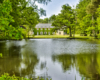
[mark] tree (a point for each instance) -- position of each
(52, 18)
(91, 9)
(46, 20)
(29, 17)
(15, 13)
(82, 17)
(19, 5)
(5, 18)
(66, 18)
(98, 20)
(40, 20)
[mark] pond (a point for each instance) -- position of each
(57, 59)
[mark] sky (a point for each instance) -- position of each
(54, 7)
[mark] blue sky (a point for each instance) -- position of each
(54, 7)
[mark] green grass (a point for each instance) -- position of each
(51, 36)
(77, 36)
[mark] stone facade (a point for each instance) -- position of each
(43, 29)
(46, 29)
(59, 32)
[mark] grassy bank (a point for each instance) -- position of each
(51, 36)
(77, 36)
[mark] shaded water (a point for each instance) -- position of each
(59, 59)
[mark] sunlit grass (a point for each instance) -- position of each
(77, 36)
(60, 36)
(51, 36)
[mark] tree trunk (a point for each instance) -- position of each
(93, 31)
(70, 32)
(28, 34)
(74, 32)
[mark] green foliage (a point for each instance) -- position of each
(66, 19)
(98, 36)
(5, 17)
(1, 55)
(52, 18)
(14, 13)
(7, 30)
(87, 19)
(41, 21)
(91, 9)
(45, 20)
(83, 20)
(29, 17)
(7, 77)
(98, 18)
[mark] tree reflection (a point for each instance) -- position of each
(87, 64)
(30, 60)
(65, 59)
(18, 61)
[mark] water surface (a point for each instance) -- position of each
(59, 59)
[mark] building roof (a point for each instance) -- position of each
(41, 25)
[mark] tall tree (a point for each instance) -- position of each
(98, 18)
(81, 16)
(91, 9)
(46, 20)
(66, 18)
(15, 13)
(5, 17)
(52, 18)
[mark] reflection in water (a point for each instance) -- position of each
(86, 64)
(65, 59)
(59, 59)
(17, 60)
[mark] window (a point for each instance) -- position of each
(59, 32)
(53, 32)
(48, 33)
(41, 33)
(41, 28)
(33, 32)
(37, 33)
(45, 33)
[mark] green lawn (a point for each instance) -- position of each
(77, 36)
(51, 36)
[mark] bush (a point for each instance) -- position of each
(98, 36)
(7, 77)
